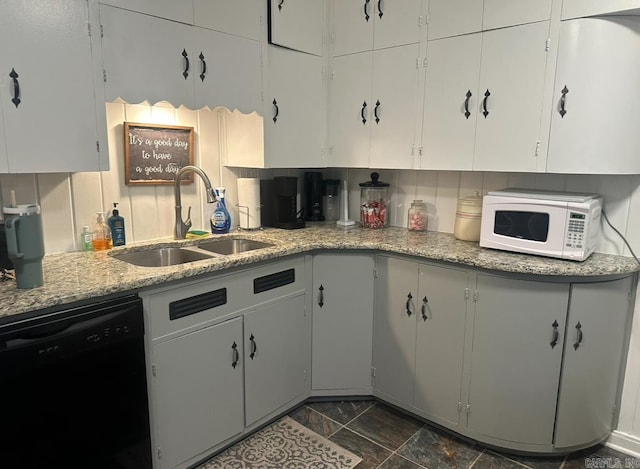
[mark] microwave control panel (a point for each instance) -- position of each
(575, 230)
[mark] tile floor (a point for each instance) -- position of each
(388, 439)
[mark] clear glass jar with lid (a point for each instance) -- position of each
(374, 203)
(417, 217)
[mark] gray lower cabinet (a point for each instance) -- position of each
(514, 362)
(342, 323)
(592, 367)
(275, 362)
(516, 359)
(198, 391)
(419, 337)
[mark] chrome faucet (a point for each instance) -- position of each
(182, 227)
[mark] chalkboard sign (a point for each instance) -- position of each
(153, 154)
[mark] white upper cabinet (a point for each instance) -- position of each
(508, 123)
(578, 8)
(372, 108)
(238, 17)
(47, 88)
(177, 10)
(297, 24)
(294, 110)
(476, 114)
(594, 125)
(455, 17)
(451, 102)
(364, 25)
(182, 64)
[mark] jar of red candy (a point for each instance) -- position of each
(417, 220)
(374, 203)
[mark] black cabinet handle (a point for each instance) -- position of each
(466, 104)
(362, 111)
(425, 301)
(280, 4)
(409, 306)
(204, 66)
(579, 331)
(366, 10)
(380, 9)
(16, 87)
(375, 111)
(554, 337)
(277, 110)
(563, 101)
(321, 296)
(485, 112)
(236, 355)
(254, 347)
(185, 74)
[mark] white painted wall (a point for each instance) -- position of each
(70, 201)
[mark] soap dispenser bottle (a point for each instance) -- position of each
(116, 224)
(221, 219)
(101, 234)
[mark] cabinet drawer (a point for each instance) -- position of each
(194, 304)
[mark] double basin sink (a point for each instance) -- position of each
(168, 256)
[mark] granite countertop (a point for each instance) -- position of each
(75, 276)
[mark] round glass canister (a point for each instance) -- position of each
(468, 216)
(374, 203)
(417, 216)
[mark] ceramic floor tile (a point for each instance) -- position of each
(495, 461)
(385, 426)
(314, 421)
(342, 411)
(434, 449)
(599, 456)
(372, 454)
(398, 462)
(534, 462)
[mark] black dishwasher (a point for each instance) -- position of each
(73, 390)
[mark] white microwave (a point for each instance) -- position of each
(565, 225)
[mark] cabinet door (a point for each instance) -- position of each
(342, 322)
(229, 72)
(596, 115)
(397, 23)
(598, 317)
(154, 49)
(454, 17)
(451, 102)
(197, 391)
(442, 317)
(395, 107)
(350, 111)
(4, 156)
(50, 123)
(515, 370)
(239, 17)
(352, 26)
(177, 10)
(507, 136)
(276, 352)
(503, 13)
(297, 25)
(394, 335)
(295, 122)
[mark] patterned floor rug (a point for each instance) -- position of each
(284, 444)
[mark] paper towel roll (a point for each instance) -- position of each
(249, 203)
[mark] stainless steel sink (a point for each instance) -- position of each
(163, 257)
(233, 246)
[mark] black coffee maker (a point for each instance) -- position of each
(313, 196)
(278, 199)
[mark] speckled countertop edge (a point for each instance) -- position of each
(75, 276)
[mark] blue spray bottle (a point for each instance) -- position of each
(221, 219)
